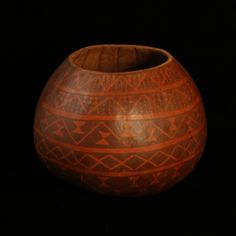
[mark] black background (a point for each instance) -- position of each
(39, 35)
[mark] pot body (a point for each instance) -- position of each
(127, 134)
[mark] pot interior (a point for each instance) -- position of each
(118, 58)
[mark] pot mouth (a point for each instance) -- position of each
(119, 58)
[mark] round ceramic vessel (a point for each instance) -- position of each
(123, 120)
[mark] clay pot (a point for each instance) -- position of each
(120, 119)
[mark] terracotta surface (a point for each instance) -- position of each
(120, 119)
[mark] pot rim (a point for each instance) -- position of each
(75, 53)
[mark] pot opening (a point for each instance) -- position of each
(118, 58)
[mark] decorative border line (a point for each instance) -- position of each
(121, 117)
(123, 150)
(107, 93)
(126, 173)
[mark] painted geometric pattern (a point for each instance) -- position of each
(118, 162)
(166, 100)
(68, 77)
(129, 184)
(110, 133)
(122, 133)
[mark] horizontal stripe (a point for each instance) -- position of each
(126, 173)
(70, 115)
(120, 93)
(142, 149)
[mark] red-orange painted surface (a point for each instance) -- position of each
(120, 119)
